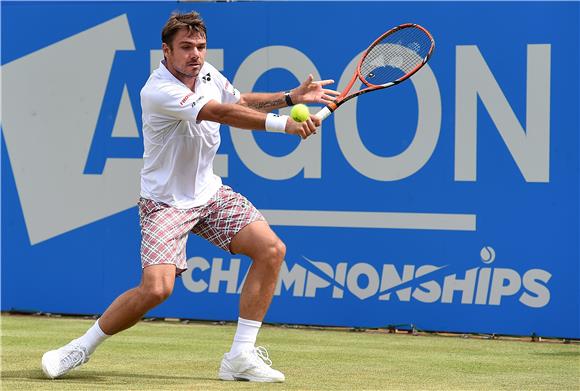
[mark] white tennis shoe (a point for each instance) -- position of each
(59, 362)
(250, 365)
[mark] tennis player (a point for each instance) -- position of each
(183, 103)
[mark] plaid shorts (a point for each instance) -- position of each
(164, 229)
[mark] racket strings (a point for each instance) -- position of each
(395, 56)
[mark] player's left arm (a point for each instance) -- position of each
(309, 91)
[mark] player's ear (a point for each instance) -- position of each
(166, 49)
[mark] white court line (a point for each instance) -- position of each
(342, 219)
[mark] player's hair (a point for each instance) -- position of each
(191, 21)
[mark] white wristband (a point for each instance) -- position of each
(276, 123)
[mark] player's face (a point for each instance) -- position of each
(186, 55)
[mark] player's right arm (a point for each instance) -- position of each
(180, 103)
(246, 118)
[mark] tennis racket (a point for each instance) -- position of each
(390, 59)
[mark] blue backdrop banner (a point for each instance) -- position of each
(450, 202)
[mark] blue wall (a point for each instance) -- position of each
(450, 201)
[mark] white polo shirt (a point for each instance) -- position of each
(179, 150)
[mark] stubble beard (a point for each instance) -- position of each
(185, 74)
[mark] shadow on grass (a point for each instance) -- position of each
(98, 377)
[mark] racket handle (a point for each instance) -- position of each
(323, 113)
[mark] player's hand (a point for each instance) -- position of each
(311, 91)
(303, 129)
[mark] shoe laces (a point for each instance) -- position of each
(262, 353)
(75, 356)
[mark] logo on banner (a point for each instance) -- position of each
(94, 154)
(426, 283)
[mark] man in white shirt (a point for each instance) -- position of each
(183, 104)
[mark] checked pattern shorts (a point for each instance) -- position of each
(164, 229)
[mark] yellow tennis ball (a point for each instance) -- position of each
(300, 113)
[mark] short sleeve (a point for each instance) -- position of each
(229, 93)
(176, 101)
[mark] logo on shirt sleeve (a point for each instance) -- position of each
(197, 101)
(185, 98)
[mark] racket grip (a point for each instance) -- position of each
(323, 113)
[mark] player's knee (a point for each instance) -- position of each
(281, 250)
(276, 253)
(158, 294)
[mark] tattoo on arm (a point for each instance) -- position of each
(267, 105)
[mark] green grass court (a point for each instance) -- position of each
(175, 356)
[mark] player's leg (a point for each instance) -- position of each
(156, 285)
(267, 251)
(164, 233)
(231, 222)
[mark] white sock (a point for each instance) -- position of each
(92, 338)
(245, 337)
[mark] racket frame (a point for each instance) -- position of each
(343, 97)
